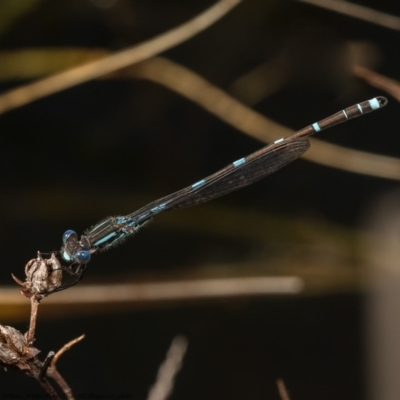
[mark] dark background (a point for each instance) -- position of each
(108, 146)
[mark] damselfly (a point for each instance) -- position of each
(76, 252)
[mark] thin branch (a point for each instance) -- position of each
(75, 76)
(65, 348)
(282, 390)
(357, 11)
(164, 384)
(30, 336)
(56, 376)
(52, 372)
(185, 82)
(49, 389)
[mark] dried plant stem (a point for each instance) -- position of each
(65, 348)
(30, 337)
(75, 76)
(55, 375)
(50, 390)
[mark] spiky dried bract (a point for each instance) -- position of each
(43, 277)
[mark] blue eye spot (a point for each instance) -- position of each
(69, 234)
(82, 256)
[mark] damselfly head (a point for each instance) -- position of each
(72, 250)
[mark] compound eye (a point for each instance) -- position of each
(68, 235)
(82, 256)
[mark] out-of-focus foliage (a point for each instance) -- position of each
(13, 10)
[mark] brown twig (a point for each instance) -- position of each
(63, 349)
(49, 389)
(56, 376)
(30, 335)
(52, 370)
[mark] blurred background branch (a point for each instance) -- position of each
(78, 75)
(192, 86)
(358, 11)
